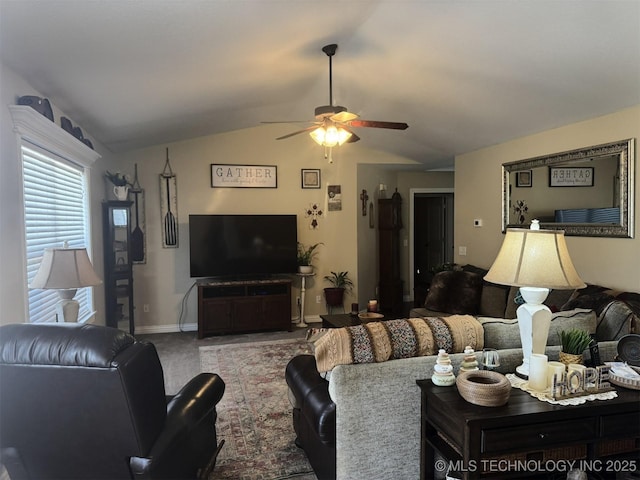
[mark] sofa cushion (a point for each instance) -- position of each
(505, 333)
(455, 292)
(394, 339)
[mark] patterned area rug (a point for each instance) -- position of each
(254, 415)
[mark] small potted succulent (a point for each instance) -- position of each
(306, 255)
(340, 282)
(574, 342)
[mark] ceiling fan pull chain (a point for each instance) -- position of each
(327, 154)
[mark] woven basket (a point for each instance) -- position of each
(568, 358)
(484, 387)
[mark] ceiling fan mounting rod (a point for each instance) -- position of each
(330, 50)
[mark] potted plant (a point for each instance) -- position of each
(306, 255)
(335, 294)
(574, 342)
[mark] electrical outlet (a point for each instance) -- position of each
(145, 308)
(318, 298)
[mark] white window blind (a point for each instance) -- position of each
(55, 211)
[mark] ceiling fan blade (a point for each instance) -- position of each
(353, 138)
(378, 124)
(291, 121)
(308, 129)
(344, 117)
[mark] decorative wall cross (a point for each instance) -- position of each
(364, 197)
(315, 213)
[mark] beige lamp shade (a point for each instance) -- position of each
(534, 258)
(65, 268)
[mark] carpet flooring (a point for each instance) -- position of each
(254, 415)
(244, 411)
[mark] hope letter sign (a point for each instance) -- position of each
(248, 176)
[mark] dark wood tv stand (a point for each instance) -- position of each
(247, 305)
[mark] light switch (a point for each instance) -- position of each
(462, 251)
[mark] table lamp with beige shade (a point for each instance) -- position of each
(537, 261)
(65, 270)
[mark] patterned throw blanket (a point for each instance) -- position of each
(392, 339)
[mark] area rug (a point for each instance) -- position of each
(254, 415)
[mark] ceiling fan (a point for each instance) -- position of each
(333, 123)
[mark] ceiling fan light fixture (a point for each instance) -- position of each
(330, 136)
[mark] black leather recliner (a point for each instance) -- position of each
(86, 401)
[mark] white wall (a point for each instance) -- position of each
(613, 262)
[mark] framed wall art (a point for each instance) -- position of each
(225, 175)
(524, 178)
(310, 178)
(334, 192)
(571, 176)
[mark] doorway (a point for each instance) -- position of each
(431, 236)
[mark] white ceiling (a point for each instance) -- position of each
(462, 74)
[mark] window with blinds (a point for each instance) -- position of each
(55, 211)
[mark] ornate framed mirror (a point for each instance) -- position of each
(585, 192)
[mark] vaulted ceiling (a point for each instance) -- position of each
(462, 74)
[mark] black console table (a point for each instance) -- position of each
(527, 435)
(237, 306)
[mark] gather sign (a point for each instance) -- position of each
(247, 176)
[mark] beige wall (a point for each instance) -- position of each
(613, 262)
(164, 281)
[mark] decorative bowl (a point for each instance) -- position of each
(370, 316)
(484, 388)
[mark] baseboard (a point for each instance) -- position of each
(193, 327)
(187, 327)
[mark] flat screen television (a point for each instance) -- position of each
(242, 245)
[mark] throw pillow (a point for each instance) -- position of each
(616, 320)
(557, 298)
(593, 301)
(493, 300)
(455, 292)
(512, 306)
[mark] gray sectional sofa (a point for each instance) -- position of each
(363, 420)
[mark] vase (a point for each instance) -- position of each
(121, 192)
(568, 358)
(305, 269)
(334, 296)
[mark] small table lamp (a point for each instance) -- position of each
(65, 270)
(536, 261)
